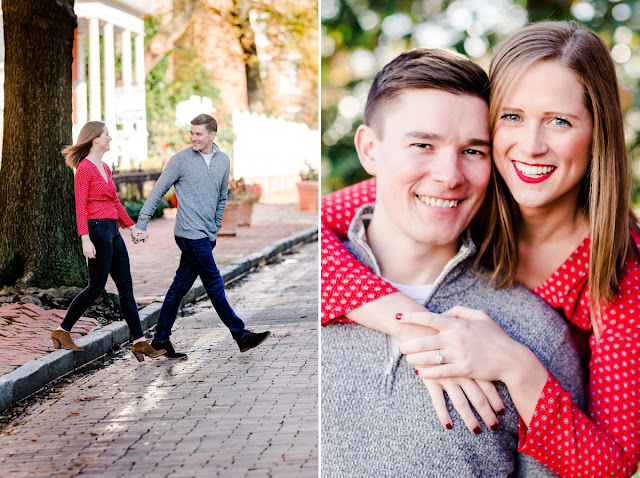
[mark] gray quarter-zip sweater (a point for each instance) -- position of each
(201, 192)
(377, 417)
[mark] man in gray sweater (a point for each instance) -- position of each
(426, 139)
(200, 175)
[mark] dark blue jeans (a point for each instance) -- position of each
(196, 260)
(111, 258)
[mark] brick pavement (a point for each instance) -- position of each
(24, 335)
(218, 413)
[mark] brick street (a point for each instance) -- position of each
(218, 413)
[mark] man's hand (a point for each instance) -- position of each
(138, 235)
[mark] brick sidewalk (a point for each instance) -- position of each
(217, 413)
(24, 331)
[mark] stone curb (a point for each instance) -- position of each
(35, 374)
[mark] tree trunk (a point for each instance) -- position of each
(246, 37)
(39, 245)
(165, 39)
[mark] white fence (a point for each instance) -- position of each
(272, 152)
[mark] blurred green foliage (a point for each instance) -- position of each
(174, 79)
(360, 36)
(133, 209)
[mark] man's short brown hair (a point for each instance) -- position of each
(207, 120)
(423, 68)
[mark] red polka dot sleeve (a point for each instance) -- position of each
(606, 443)
(81, 186)
(346, 284)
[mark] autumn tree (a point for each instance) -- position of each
(39, 245)
(166, 35)
(291, 25)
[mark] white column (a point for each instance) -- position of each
(128, 139)
(95, 112)
(139, 46)
(81, 85)
(126, 59)
(110, 91)
(141, 123)
(109, 76)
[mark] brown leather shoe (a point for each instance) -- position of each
(140, 349)
(63, 338)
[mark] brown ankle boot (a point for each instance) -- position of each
(63, 338)
(140, 349)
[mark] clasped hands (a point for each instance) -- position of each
(138, 235)
(467, 339)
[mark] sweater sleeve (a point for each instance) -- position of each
(168, 178)
(222, 199)
(606, 442)
(81, 185)
(123, 218)
(346, 284)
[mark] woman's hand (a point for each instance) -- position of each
(469, 342)
(88, 248)
(464, 392)
(472, 345)
(138, 235)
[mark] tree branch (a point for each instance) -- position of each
(164, 41)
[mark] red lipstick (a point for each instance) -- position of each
(530, 180)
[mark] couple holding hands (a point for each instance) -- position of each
(200, 175)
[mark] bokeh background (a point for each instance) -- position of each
(360, 36)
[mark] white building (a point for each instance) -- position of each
(119, 99)
(99, 93)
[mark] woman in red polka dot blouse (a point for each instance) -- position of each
(99, 213)
(564, 188)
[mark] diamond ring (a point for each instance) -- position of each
(439, 358)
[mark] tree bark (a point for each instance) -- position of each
(165, 39)
(39, 245)
(246, 37)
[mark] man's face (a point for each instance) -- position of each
(201, 138)
(432, 165)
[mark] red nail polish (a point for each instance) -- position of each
(494, 427)
(398, 316)
(477, 430)
(448, 426)
(417, 373)
(500, 412)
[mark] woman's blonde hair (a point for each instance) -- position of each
(77, 152)
(605, 191)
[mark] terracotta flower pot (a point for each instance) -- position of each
(308, 195)
(230, 219)
(244, 215)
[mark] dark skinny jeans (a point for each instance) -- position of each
(111, 258)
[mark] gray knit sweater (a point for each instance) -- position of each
(378, 419)
(201, 192)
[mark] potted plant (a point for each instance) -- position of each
(308, 188)
(248, 195)
(230, 218)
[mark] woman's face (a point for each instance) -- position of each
(102, 141)
(542, 138)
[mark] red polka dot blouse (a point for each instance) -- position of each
(96, 198)
(606, 441)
